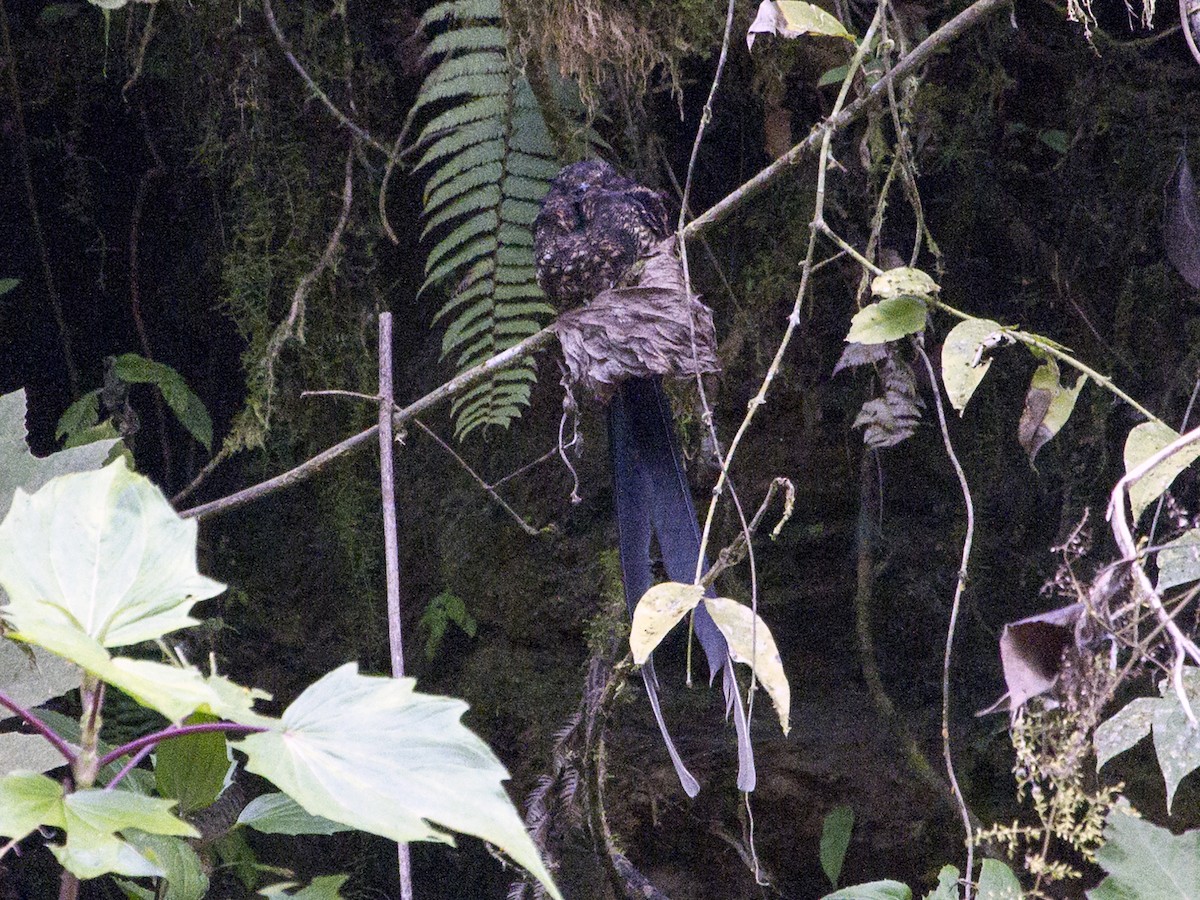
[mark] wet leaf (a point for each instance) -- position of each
(963, 365)
(947, 888)
(1145, 862)
(1176, 742)
(1124, 729)
(997, 882)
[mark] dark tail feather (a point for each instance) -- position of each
(691, 786)
(652, 491)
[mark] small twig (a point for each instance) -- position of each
(706, 409)
(354, 128)
(549, 454)
(793, 320)
(383, 190)
(959, 587)
(307, 469)
(488, 489)
(391, 545)
(733, 554)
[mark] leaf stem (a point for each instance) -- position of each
(1049, 348)
(151, 740)
(39, 726)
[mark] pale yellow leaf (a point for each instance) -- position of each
(660, 610)
(750, 642)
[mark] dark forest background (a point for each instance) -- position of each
(185, 181)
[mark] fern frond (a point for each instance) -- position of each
(489, 159)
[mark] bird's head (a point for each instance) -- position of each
(578, 178)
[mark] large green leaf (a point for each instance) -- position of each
(1176, 742)
(1145, 862)
(28, 800)
(376, 755)
(180, 865)
(21, 469)
(103, 553)
(91, 818)
(1143, 442)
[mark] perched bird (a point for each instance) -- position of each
(593, 227)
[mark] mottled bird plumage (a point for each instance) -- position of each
(593, 226)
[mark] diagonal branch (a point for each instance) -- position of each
(963, 22)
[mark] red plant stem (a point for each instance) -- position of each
(133, 763)
(39, 726)
(166, 734)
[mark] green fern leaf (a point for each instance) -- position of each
(489, 160)
(457, 141)
(488, 173)
(463, 10)
(466, 40)
(485, 107)
(482, 154)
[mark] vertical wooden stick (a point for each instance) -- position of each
(387, 490)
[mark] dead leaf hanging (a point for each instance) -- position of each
(1181, 228)
(650, 329)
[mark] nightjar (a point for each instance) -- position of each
(594, 224)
